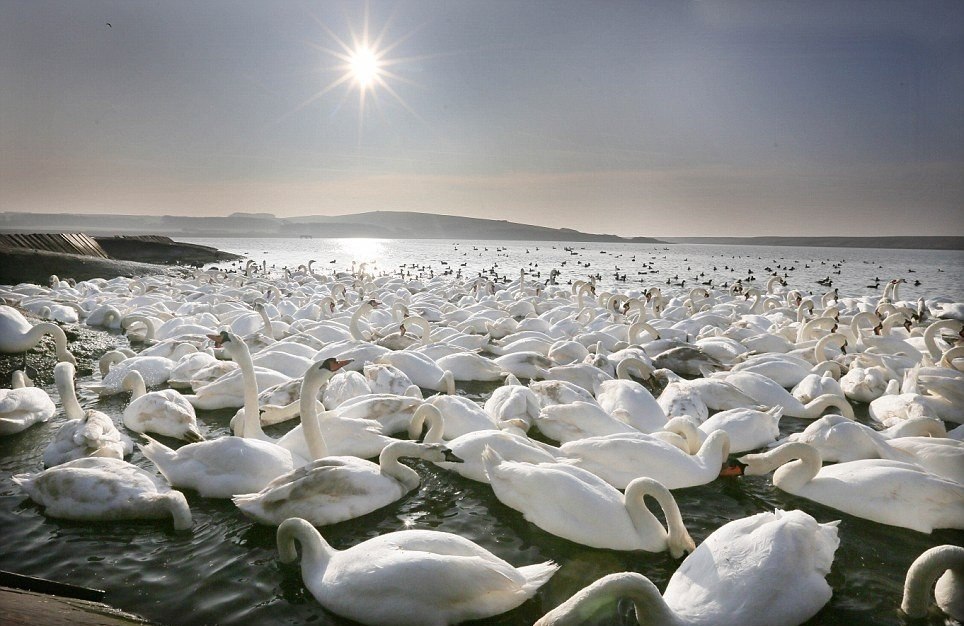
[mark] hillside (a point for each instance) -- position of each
(377, 224)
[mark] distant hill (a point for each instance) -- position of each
(376, 224)
(907, 242)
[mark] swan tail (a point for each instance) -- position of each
(537, 575)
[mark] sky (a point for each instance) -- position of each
(635, 117)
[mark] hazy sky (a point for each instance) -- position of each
(632, 117)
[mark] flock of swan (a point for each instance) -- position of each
(629, 395)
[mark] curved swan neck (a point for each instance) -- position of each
(436, 425)
(820, 350)
(928, 567)
(716, 445)
(685, 428)
(802, 462)
(626, 365)
(931, 333)
(390, 466)
(180, 510)
(362, 310)
(650, 607)
(60, 339)
(64, 377)
(315, 551)
(449, 379)
(678, 539)
(818, 405)
(134, 383)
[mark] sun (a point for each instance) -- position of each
(365, 67)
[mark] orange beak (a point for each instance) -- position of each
(340, 364)
(217, 339)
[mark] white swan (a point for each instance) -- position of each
(409, 577)
(769, 393)
(164, 412)
(944, 564)
(18, 335)
(337, 488)
(641, 410)
(104, 489)
(748, 429)
(889, 492)
(575, 504)
(85, 433)
(21, 407)
(469, 366)
(765, 570)
(469, 447)
(621, 459)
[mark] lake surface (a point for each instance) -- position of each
(226, 569)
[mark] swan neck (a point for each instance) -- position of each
(311, 420)
(134, 383)
(68, 396)
(678, 538)
(818, 405)
(922, 574)
(252, 412)
(436, 425)
(353, 323)
(180, 510)
(389, 464)
(796, 464)
(627, 364)
(316, 553)
(60, 340)
(651, 609)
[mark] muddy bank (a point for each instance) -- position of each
(162, 250)
(20, 265)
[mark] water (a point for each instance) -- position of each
(226, 571)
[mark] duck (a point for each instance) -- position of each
(768, 569)
(888, 492)
(85, 433)
(577, 505)
(103, 489)
(944, 564)
(17, 335)
(21, 406)
(409, 577)
(164, 412)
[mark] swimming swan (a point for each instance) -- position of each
(104, 489)
(763, 570)
(409, 577)
(575, 504)
(22, 406)
(18, 335)
(337, 488)
(164, 412)
(889, 492)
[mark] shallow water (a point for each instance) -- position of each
(225, 570)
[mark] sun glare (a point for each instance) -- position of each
(365, 67)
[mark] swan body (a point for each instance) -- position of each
(575, 504)
(569, 422)
(337, 488)
(85, 433)
(765, 570)
(748, 429)
(620, 460)
(468, 366)
(889, 492)
(104, 489)
(462, 415)
(154, 370)
(164, 412)
(409, 577)
(22, 407)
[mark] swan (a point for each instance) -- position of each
(468, 447)
(421, 369)
(462, 415)
(575, 504)
(525, 364)
(104, 489)
(748, 429)
(333, 489)
(18, 335)
(228, 466)
(512, 402)
(469, 366)
(769, 393)
(22, 406)
(385, 378)
(154, 370)
(409, 577)
(85, 433)
(163, 412)
(637, 403)
(889, 492)
(768, 569)
(815, 385)
(620, 459)
(570, 422)
(945, 564)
